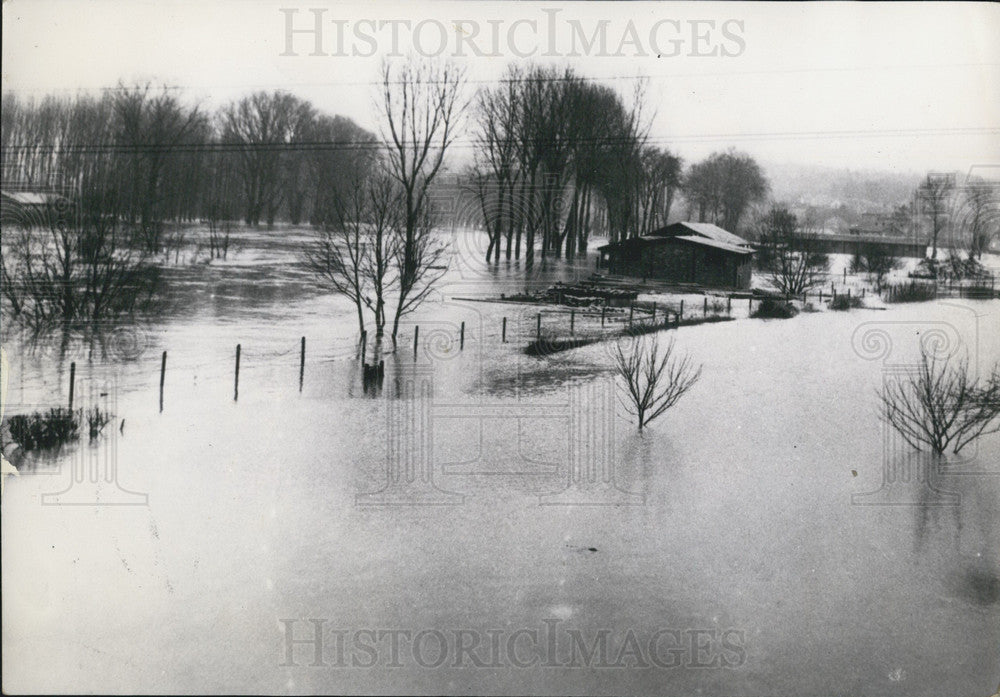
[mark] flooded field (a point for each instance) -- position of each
(489, 521)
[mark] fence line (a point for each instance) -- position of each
(574, 322)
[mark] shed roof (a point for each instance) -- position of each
(693, 239)
(735, 249)
(708, 230)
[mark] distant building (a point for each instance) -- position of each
(881, 225)
(696, 253)
(860, 243)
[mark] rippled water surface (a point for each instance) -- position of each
(768, 507)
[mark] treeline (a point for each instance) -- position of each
(153, 158)
(556, 157)
(559, 157)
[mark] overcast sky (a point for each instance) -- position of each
(895, 86)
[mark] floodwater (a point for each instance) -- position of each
(765, 536)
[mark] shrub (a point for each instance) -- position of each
(55, 427)
(96, 421)
(44, 429)
(845, 302)
(771, 308)
(911, 293)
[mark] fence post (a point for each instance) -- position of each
(604, 309)
(704, 310)
(416, 340)
(503, 332)
(236, 382)
(572, 322)
(729, 305)
(163, 375)
(461, 338)
(72, 383)
(302, 363)
(848, 293)
(681, 313)
(631, 311)
(750, 305)
(654, 313)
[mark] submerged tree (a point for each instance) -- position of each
(654, 381)
(355, 253)
(941, 406)
(77, 259)
(421, 106)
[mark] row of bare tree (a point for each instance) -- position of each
(556, 157)
(559, 157)
(266, 155)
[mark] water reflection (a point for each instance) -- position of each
(105, 341)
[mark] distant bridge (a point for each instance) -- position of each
(859, 244)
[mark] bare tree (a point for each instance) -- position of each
(496, 173)
(941, 406)
(790, 257)
(661, 179)
(383, 244)
(653, 382)
(74, 261)
(151, 127)
(261, 127)
(722, 187)
(355, 253)
(877, 260)
(980, 215)
(935, 194)
(421, 105)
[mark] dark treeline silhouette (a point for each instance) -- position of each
(105, 175)
(557, 158)
(560, 157)
(266, 156)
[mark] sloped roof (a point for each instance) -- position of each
(712, 232)
(736, 249)
(694, 239)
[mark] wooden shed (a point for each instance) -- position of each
(698, 253)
